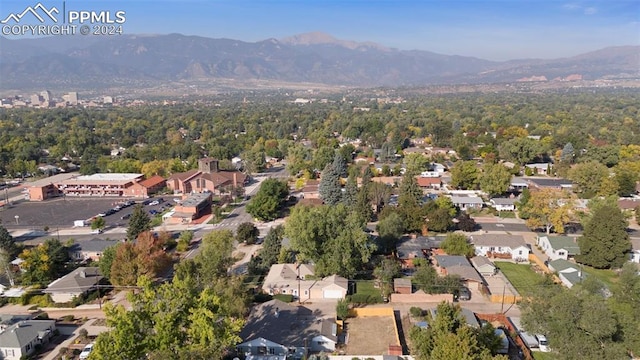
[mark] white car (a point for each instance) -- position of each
(543, 343)
(154, 203)
(86, 351)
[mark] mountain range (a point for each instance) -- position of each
(99, 62)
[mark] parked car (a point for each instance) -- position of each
(464, 294)
(125, 217)
(85, 352)
(543, 343)
(102, 215)
(153, 212)
(154, 203)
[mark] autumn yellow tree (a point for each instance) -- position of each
(549, 209)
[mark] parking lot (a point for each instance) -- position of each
(63, 212)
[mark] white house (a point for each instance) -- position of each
(483, 265)
(499, 245)
(20, 339)
(289, 278)
(466, 203)
(539, 168)
(558, 247)
(503, 204)
(635, 250)
(276, 330)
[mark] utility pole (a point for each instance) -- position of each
(504, 288)
(299, 294)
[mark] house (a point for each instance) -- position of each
(457, 265)
(503, 204)
(438, 168)
(77, 283)
(628, 204)
(294, 278)
(635, 250)
(558, 247)
(466, 203)
(276, 330)
(548, 183)
(429, 183)
(502, 246)
(416, 247)
(20, 339)
(208, 177)
(43, 192)
(483, 265)
(568, 272)
(89, 249)
(540, 168)
(402, 286)
(518, 184)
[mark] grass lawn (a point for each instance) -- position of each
(367, 288)
(607, 277)
(507, 214)
(539, 355)
(521, 276)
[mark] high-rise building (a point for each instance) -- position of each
(46, 95)
(36, 100)
(71, 98)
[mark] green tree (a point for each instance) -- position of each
(322, 157)
(44, 263)
(415, 163)
(138, 223)
(247, 233)
(409, 203)
(330, 188)
(106, 260)
(465, 175)
(522, 204)
(169, 320)
(588, 177)
(626, 180)
(568, 153)
(6, 267)
(457, 244)
(7, 242)
(390, 229)
(439, 220)
(340, 165)
(269, 200)
(215, 258)
(184, 240)
(448, 337)
(520, 150)
(342, 309)
(605, 242)
(329, 236)
(495, 179)
(268, 254)
(98, 223)
(350, 196)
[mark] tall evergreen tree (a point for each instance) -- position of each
(409, 203)
(330, 188)
(7, 243)
(605, 242)
(567, 153)
(350, 197)
(138, 223)
(340, 165)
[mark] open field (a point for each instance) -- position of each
(370, 335)
(521, 276)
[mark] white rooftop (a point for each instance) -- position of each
(108, 177)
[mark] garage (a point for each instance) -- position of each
(332, 294)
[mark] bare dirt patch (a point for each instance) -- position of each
(370, 335)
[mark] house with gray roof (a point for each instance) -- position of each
(77, 283)
(569, 273)
(558, 247)
(503, 204)
(90, 249)
(483, 265)
(501, 245)
(458, 265)
(467, 202)
(549, 183)
(415, 247)
(277, 330)
(20, 339)
(291, 278)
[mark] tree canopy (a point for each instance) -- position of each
(605, 242)
(270, 199)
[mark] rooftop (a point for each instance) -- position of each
(512, 241)
(115, 177)
(466, 200)
(23, 332)
(568, 243)
(93, 245)
(80, 280)
(194, 200)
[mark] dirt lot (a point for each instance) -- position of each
(370, 335)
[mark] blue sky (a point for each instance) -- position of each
(494, 30)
